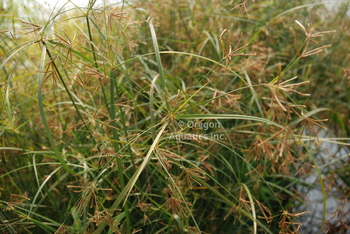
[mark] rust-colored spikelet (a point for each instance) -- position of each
(228, 51)
(176, 206)
(310, 36)
(16, 199)
(243, 8)
(63, 229)
(311, 123)
(286, 223)
(50, 72)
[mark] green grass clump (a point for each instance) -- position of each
(173, 117)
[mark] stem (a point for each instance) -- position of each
(116, 146)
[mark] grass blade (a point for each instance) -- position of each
(159, 61)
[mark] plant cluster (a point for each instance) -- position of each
(92, 96)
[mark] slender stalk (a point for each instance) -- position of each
(116, 146)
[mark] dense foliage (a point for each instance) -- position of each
(174, 116)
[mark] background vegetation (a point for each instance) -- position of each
(93, 99)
